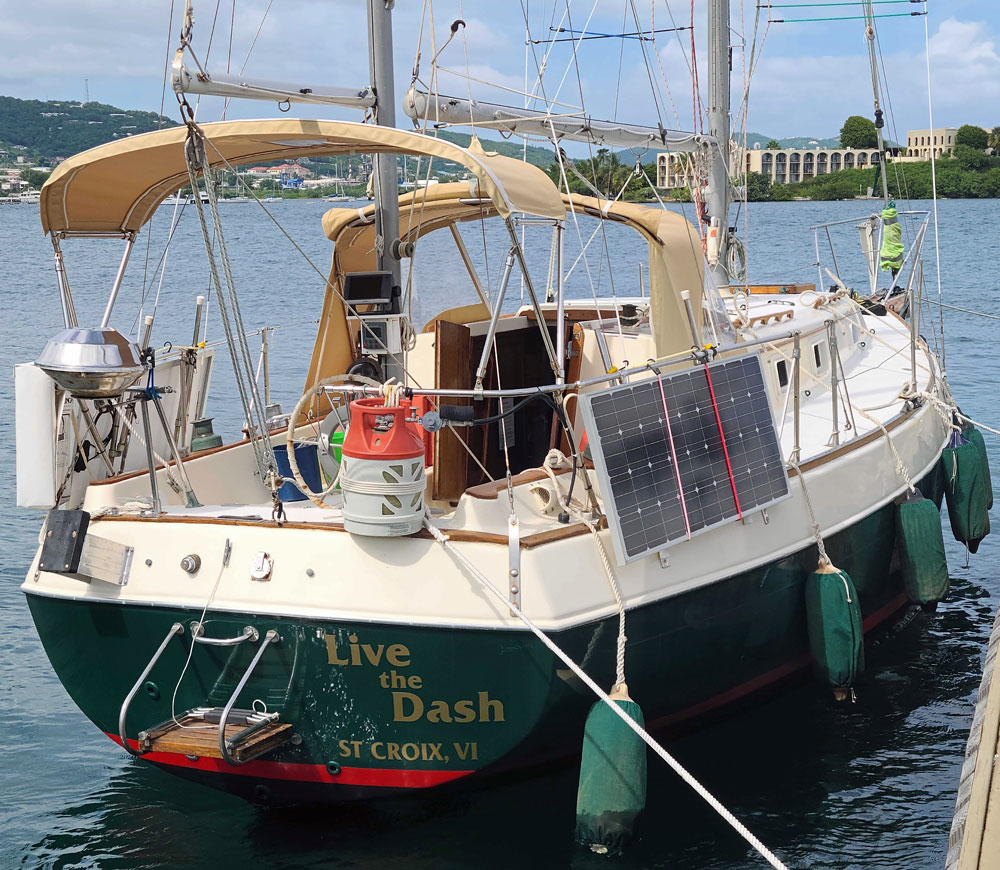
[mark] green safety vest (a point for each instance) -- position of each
(891, 255)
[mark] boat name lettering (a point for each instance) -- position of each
(359, 654)
(407, 707)
(381, 750)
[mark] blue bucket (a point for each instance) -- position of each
(307, 459)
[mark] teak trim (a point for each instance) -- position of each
(470, 536)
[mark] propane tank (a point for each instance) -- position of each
(382, 471)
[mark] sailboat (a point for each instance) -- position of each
(350, 602)
(339, 196)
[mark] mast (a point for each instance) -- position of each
(386, 182)
(719, 68)
(879, 122)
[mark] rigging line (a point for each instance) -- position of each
(243, 66)
(211, 33)
(621, 59)
(465, 51)
(503, 599)
(680, 42)
(590, 148)
(842, 3)
(159, 125)
(937, 248)
(695, 88)
(694, 187)
(208, 53)
(327, 283)
(902, 188)
(623, 36)
(659, 62)
(174, 220)
(562, 168)
(232, 27)
(963, 310)
(145, 287)
(744, 122)
(166, 65)
(229, 54)
(540, 67)
(507, 88)
(645, 62)
(574, 61)
(845, 18)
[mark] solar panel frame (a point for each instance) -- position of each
(666, 478)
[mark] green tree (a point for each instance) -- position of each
(994, 140)
(758, 187)
(773, 145)
(970, 158)
(34, 178)
(781, 193)
(858, 132)
(972, 136)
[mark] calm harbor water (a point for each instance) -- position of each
(868, 785)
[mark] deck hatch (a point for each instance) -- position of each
(680, 454)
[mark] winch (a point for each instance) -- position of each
(382, 470)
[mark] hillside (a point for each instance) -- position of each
(60, 128)
(543, 157)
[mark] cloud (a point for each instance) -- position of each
(812, 94)
(965, 66)
(808, 80)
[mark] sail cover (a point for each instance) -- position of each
(116, 187)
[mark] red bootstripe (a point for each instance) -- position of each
(374, 776)
(389, 778)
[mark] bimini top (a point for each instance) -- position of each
(117, 187)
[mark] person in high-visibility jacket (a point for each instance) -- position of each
(891, 255)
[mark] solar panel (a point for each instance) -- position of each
(680, 454)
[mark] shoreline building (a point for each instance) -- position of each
(920, 143)
(791, 165)
(781, 166)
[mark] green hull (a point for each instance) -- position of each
(384, 707)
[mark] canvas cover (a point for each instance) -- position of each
(676, 261)
(116, 187)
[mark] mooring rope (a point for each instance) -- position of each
(824, 559)
(643, 734)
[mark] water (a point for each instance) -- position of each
(823, 785)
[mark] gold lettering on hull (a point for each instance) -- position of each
(359, 654)
(408, 707)
(383, 750)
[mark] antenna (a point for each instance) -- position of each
(86, 91)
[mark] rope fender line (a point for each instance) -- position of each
(641, 732)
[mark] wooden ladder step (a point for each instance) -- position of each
(196, 733)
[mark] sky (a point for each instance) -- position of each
(808, 76)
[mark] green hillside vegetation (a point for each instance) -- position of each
(61, 128)
(513, 148)
(972, 175)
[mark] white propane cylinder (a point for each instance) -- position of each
(382, 471)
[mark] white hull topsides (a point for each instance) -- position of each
(321, 571)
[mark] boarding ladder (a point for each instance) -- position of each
(240, 736)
